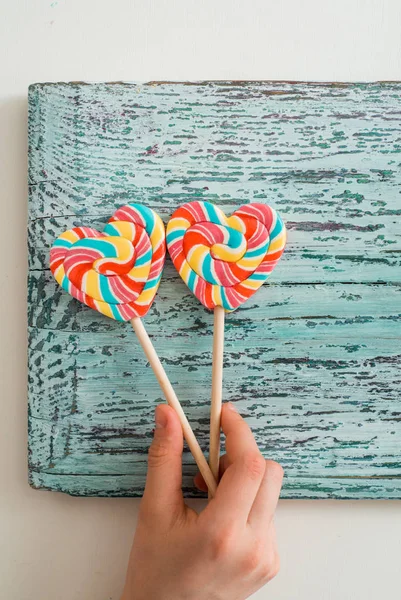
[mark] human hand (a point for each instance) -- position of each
(226, 552)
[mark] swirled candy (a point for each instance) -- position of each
(117, 271)
(224, 260)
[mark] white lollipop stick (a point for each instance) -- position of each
(217, 389)
(173, 401)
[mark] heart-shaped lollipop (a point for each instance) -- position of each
(224, 260)
(117, 271)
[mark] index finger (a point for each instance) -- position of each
(240, 482)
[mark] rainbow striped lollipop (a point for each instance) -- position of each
(224, 261)
(117, 272)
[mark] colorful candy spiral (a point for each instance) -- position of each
(117, 271)
(224, 260)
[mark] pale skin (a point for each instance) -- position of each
(226, 552)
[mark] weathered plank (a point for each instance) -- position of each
(313, 360)
(298, 487)
(50, 308)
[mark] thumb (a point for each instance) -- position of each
(163, 492)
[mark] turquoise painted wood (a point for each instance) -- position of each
(313, 360)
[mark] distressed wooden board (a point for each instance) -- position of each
(313, 360)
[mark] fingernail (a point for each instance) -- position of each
(160, 418)
(231, 406)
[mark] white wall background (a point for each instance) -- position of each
(53, 546)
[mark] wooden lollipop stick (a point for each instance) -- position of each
(217, 388)
(173, 401)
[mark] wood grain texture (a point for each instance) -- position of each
(313, 361)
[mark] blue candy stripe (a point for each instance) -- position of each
(279, 226)
(235, 237)
(63, 243)
(105, 290)
(261, 251)
(111, 230)
(224, 300)
(258, 276)
(65, 284)
(144, 259)
(174, 234)
(151, 283)
(108, 249)
(192, 280)
(214, 216)
(207, 270)
(147, 215)
(116, 312)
